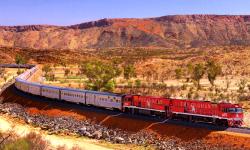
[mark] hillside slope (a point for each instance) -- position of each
(167, 31)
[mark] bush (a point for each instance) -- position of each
(19, 59)
(138, 83)
(242, 85)
(184, 86)
(130, 84)
(2, 72)
(110, 86)
(20, 144)
(129, 71)
(19, 71)
(178, 73)
(32, 141)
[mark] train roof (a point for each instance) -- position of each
(74, 90)
(104, 93)
(34, 83)
(88, 91)
(49, 86)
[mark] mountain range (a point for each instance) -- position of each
(176, 31)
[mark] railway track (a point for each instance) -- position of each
(102, 116)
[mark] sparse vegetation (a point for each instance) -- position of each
(19, 59)
(129, 71)
(66, 72)
(242, 85)
(2, 72)
(100, 75)
(32, 141)
(48, 73)
(19, 71)
(178, 73)
(46, 69)
(157, 76)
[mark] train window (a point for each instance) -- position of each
(233, 110)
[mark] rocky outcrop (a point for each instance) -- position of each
(167, 31)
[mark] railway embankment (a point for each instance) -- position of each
(66, 125)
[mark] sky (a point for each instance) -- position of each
(69, 12)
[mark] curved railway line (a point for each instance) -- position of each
(102, 116)
(110, 118)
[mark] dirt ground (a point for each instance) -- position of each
(10, 73)
(8, 124)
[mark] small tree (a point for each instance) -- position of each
(5, 78)
(138, 83)
(110, 86)
(198, 73)
(66, 72)
(2, 72)
(178, 73)
(46, 69)
(213, 70)
(63, 63)
(129, 72)
(242, 85)
(228, 82)
(19, 59)
(189, 71)
(50, 76)
(19, 71)
(99, 74)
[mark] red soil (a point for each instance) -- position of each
(55, 113)
(227, 138)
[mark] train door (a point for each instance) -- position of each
(135, 100)
(167, 111)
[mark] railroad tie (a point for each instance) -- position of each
(110, 116)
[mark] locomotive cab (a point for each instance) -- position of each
(233, 113)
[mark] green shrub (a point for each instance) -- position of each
(138, 83)
(20, 144)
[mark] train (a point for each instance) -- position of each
(223, 114)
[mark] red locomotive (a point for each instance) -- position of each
(191, 110)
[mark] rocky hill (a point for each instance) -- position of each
(167, 31)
